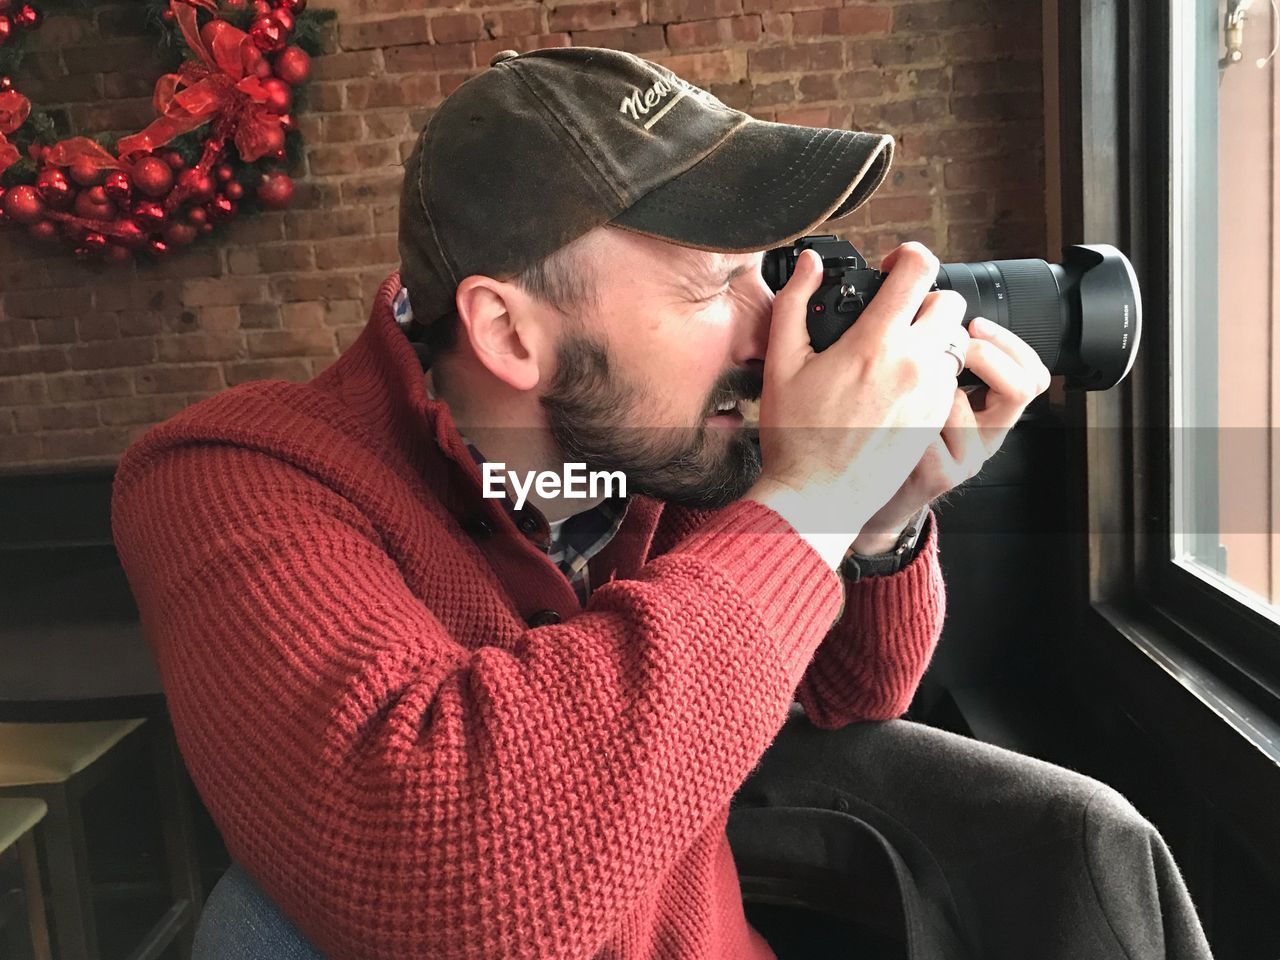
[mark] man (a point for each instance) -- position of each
(431, 723)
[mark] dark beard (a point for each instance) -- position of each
(587, 408)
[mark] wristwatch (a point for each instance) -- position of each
(857, 566)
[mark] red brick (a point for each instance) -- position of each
(290, 343)
(344, 66)
(130, 352)
(989, 107)
(901, 209)
(416, 57)
(202, 346)
(722, 66)
(958, 207)
(387, 32)
(294, 370)
(714, 33)
(592, 16)
(185, 378)
(20, 450)
(150, 409)
(514, 23)
(807, 116)
(259, 316)
(63, 417)
(786, 6)
(845, 22)
(799, 58)
(457, 27)
(674, 11)
(277, 258)
(98, 443)
(70, 387)
(334, 286)
(645, 39)
(20, 390)
(819, 86)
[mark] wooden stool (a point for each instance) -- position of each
(18, 819)
(59, 763)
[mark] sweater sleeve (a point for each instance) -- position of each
(870, 665)
(403, 791)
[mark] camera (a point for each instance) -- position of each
(1083, 317)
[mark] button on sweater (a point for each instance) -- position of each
(415, 738)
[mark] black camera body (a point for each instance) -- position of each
(1083, 317)
(848, 284)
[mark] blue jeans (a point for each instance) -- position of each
(944, 847)
(240, 923)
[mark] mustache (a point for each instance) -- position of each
(741, 383)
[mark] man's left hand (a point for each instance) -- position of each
(979, 421)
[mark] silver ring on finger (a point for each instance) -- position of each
(954, 350)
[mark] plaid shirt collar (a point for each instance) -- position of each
(575, 539)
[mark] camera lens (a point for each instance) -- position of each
(1083, 317)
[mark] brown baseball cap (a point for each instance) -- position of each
(544, 146)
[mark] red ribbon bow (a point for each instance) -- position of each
(14, 110)
(215, 85)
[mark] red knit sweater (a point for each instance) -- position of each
(406, 766)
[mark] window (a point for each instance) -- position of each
(1224, 257)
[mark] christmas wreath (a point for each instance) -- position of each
(223, 132)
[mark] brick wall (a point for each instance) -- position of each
(91, 356)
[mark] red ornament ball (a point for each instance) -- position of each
(157, 248)
(279, 95)
(93, 204)
(167, 15)
(23, 204)
(274, 140)
(284, 18)
(293, 6)
(153, 177)
(95, 241)
(221, 209)
(287, 124)
(173, 158)
(43, 230)
(54, 188)
(276, 191)
(268, 34)
(293, 66)
(224, 172)
(149, 214)
(196, 185)
(261, 8)
(128, 233)
(206, 228)
(85, 173)
(28, 17)
(179, 234)
(117, 185)
(233, 191)
(6, 29)
(197, 216)
(6, 84)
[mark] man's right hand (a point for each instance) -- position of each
(841, 430)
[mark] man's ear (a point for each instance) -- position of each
(496, 319)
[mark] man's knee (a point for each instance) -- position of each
(240, 922)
